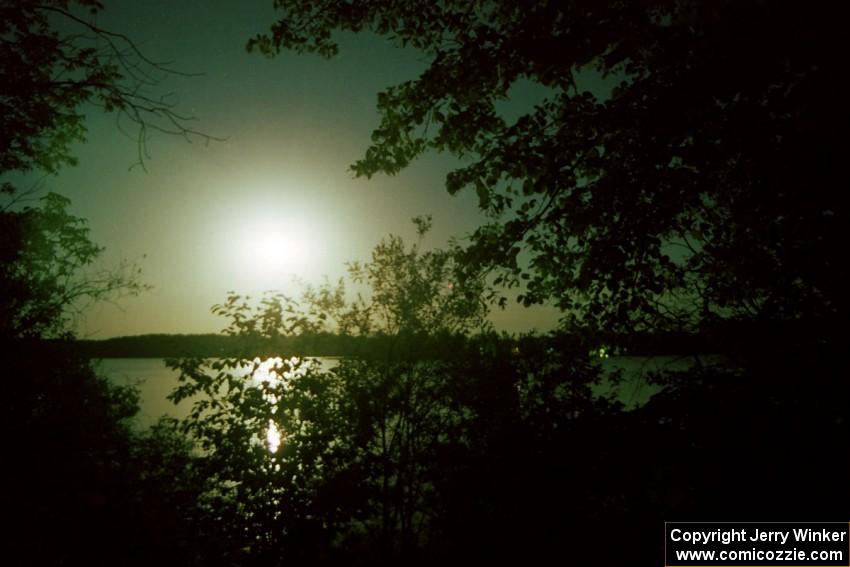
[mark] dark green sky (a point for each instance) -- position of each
(293, 125)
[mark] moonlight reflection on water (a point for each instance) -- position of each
(270, 374)
(155, 381)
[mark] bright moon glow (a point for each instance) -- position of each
(274, 249)
(268, 251)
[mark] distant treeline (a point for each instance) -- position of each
(328, 344)
(216, 345)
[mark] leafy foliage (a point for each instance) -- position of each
(407, 291)
(443, 448)
(699, 188)
(66, 439)
(82, 483)
(54, 59)
(298, 456)
(46, 270)
(379, 457)
(82, 487)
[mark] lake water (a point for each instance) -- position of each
(155, 381)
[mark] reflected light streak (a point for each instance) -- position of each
(271, 373)
(273, 437)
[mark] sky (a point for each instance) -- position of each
(195, 218)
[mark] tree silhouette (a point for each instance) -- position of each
(54, 60)
(407, 291)
(419, 447)
(46, 270)
(78, 478)
(304, 462)
(697, 187)
(679, 173)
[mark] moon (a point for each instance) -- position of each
(269, 247)
(270, 253)
(272, 248)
